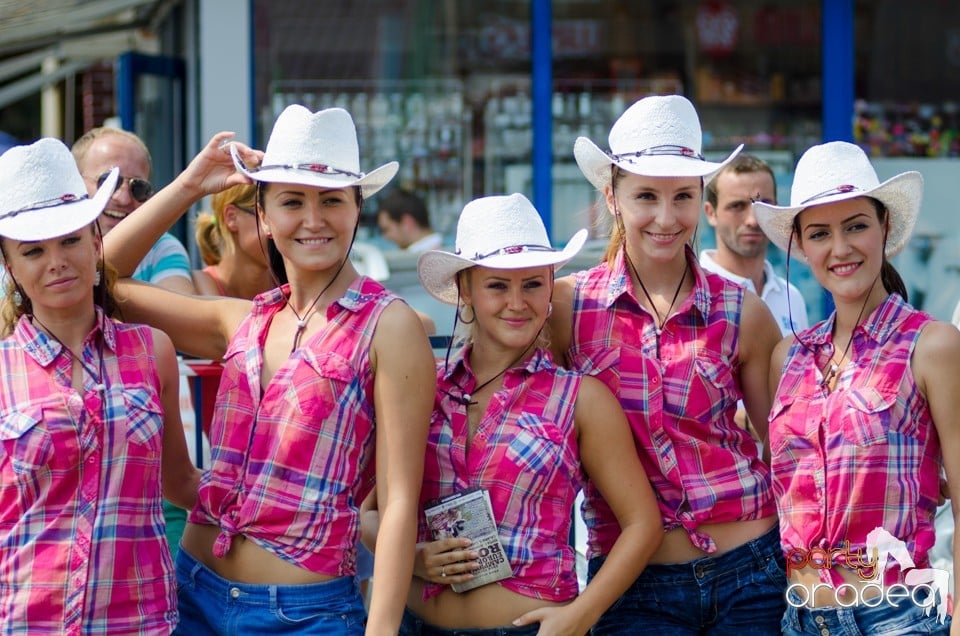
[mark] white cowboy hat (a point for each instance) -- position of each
(502, 232)
(836, 171)
(657, 136)
(42, 194)
(316, 149)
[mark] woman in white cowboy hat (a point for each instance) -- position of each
(89, 421)
(327, 387)
(666, 337)
(509, 421)
(865, 410)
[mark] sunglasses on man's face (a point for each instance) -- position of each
(140, 189)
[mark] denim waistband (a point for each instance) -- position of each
(190, 569)
(413, 624)
(754, 553)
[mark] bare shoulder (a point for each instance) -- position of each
(937, 350)
(755, 313)
(594, 398)
(399, 331)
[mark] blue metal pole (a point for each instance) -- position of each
(837, 82)
(837, 65)
(542, 91)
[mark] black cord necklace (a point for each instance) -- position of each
(659, 321)
(99, 379)
(465, 398)
(832, 368)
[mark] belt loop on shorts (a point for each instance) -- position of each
(274, 601)
(194, 570)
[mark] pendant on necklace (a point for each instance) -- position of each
(301, 323)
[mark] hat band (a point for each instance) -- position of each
(843, 189)
(312, 167)
(46, 203)
(667, 149)
(512, 249)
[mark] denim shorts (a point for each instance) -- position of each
(413, 625)
(210, 604)
(861, 620)
(740, 592)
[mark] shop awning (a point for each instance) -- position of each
(74, 33)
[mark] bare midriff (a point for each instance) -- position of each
(483, 607)
(245, 562)
(677, 548)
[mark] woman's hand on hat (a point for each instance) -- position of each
(445, 561)
(213, 170)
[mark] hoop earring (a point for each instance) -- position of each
(97, 278)
(549, 309)
(463, 320)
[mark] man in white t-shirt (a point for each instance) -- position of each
(96, 152)
(741, 245)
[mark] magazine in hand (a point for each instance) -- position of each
(469, 514)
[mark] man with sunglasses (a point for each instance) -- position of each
(99, 150)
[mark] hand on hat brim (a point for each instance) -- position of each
(213, 170)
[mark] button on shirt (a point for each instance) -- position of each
(82, 544)
(863, 456)
(703, 467)
(290, 464)
(525, 453)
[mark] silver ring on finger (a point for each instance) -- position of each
(443, 571)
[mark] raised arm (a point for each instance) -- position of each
(404, 392)
(759, 334)
(609, 457)
(212, 170)
(178, 475)
(199, 326)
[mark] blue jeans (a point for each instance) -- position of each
(740, 592)
(210, 604)
(413, 625)
(861, 620)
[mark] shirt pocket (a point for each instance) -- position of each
(710, 388)
(788, 422)
(144, 415)
(867, 415)
(536, 448)
(26, 441)
(321, 386)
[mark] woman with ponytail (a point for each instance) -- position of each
(90, 432)
(232, 247)
(865, 413)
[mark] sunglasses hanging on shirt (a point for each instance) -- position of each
(140, 189)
